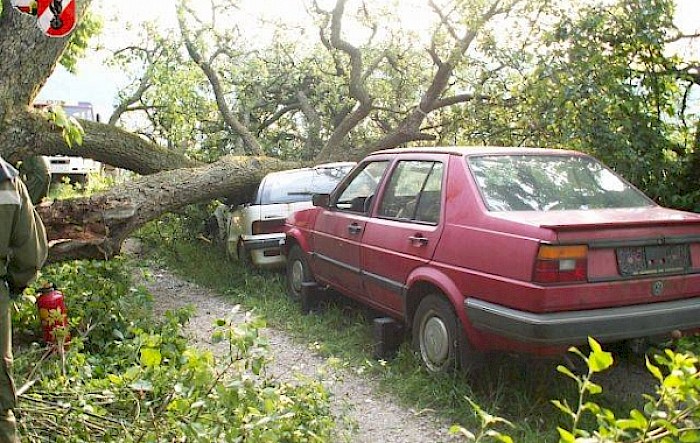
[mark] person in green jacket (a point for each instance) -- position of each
(23, 250)
(36, 176)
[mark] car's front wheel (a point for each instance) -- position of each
(436, 334)
(298, 272)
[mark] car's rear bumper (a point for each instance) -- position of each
(268, 242)
(574, 327)
(266, 252)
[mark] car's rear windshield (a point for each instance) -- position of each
(550, 183)
(299, 186)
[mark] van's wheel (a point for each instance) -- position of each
(436, 335)
(298, 272)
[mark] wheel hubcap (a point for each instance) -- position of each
(297, 275)
(436, 342)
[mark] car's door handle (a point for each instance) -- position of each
(354, 229)
(418, 240)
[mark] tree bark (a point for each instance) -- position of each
(95, 227)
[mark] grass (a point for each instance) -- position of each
(343, 330)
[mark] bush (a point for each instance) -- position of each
(126, 377)
(671, 414)
(174, 229)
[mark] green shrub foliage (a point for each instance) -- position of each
(128, 377)
(671, 414)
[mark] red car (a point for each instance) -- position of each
(500, 249)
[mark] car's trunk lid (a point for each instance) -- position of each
(651, 244)
(594, 220)
(282, 210)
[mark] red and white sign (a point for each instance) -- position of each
(26, 6)
(56, 18)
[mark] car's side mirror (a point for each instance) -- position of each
(322, 200)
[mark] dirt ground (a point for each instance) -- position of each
(363, 414)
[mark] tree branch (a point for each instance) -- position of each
(409, 129)
(249, 140)
(125, 105)
(33, 134)
(356, 85)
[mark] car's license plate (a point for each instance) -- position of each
(641, 260)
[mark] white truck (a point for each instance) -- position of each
(76, 169)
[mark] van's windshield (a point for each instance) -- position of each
(299, 186)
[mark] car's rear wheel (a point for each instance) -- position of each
(244, 256)
(436, 334)
(298, 272)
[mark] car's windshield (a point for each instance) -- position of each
(551, 182)
(299, 186)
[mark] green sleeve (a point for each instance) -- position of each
(36, 177)
(27, 242)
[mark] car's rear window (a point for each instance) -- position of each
(550, 183)
(299, 186)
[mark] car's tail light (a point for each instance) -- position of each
(561, 264)
(268, 226)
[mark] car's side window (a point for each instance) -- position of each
(413, 192)
(359, 191)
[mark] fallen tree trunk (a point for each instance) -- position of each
(95, 227)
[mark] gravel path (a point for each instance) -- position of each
(362, 414)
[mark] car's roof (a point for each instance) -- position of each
(478, 150)
(321, 166)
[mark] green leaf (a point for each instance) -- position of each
(67, 139)
(626, 423)
(636, 421)
(599, 360)
(117, 334)
(564, 407)
(594, 408)
(498, 436)
(673, 381)
(150, 357)
(564, 370)
(115, 379)
(59, 117)
(595, 346)
(504, 438)
(593, 388)
(565, 436)
(692, 436)
(460, 430)
(77, 135)
(132, 373)
(655, 371)
(640, 418)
